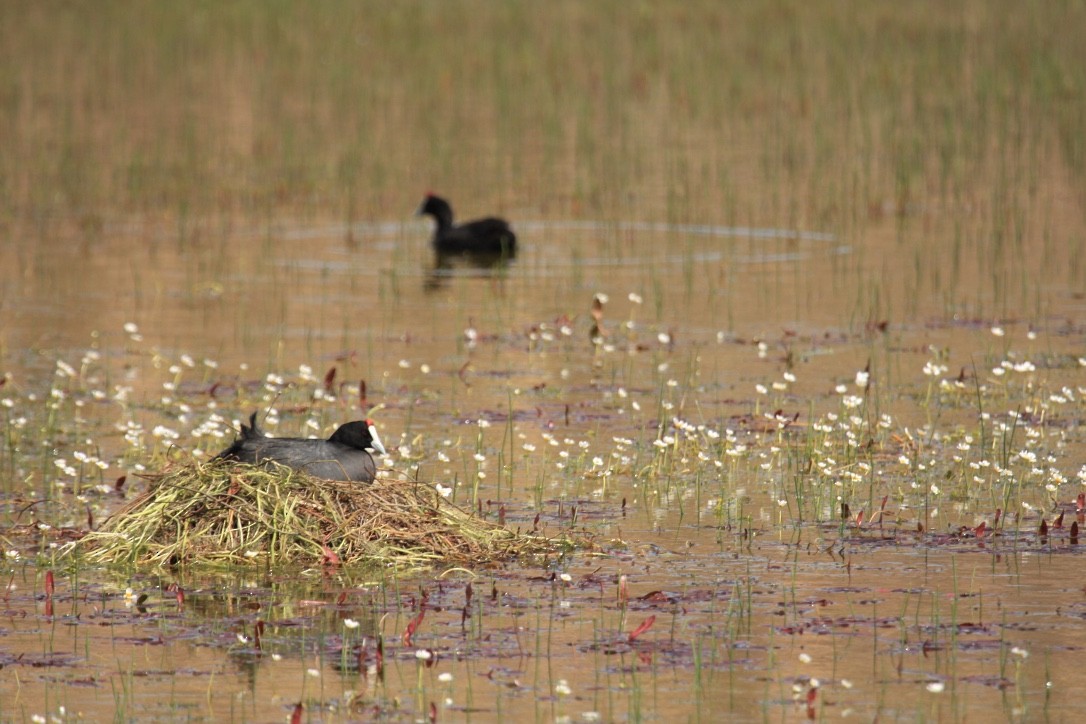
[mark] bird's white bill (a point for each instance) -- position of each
(376, 444)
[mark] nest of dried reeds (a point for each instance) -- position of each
(223, 513)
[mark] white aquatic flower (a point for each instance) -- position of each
(164, 432)
(562, 688)
(444, 677)
(635, 298)
(862, 378)
(351, 623)
(805, 658)
(442, 490)
(936, 687)
(933, 369)
(423, 655)
(565, 577)
(998, 331)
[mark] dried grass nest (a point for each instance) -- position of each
(226, 513)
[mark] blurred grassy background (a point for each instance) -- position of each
(120, 106)
(960, 122)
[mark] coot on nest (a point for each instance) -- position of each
(343, 456)
(490, 236)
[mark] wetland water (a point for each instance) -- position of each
(795, 338)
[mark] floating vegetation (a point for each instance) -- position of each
(221, 514)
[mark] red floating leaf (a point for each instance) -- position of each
(1058, 522)
(645, 626)
(330, 557)
(330, 379)
(655, 596)
(412, 626)
(48, 584)
(296, 716)
(979, 530)
(1044, 527)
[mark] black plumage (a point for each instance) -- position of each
(343, 456)
(490, 236)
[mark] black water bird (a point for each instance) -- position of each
(489, 237)
(343, 456)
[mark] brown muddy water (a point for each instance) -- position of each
(795, 336)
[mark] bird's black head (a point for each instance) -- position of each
(438, 208)
(361, 434)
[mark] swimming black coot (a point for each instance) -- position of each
(343, 456)
(490, 236)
